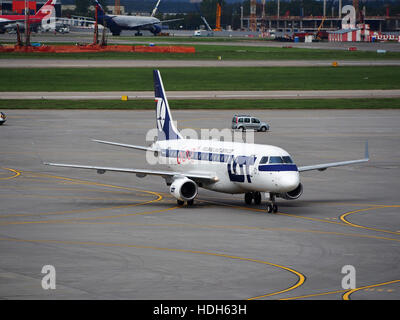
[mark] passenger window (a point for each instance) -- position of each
(247, 120)
(173, 153)
(275, 160)
(264, 160)
(287, 159)
(241, 120)
(255, 120)
(204, 156)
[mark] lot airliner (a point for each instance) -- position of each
(221, 166)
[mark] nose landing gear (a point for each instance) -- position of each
(271, 206)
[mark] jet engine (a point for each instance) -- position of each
(292, 195)
(155, 29)
(183, 189)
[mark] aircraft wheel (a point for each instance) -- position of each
(248, 198)
(269, 208)
(274, 208)
(190, 202)
(180, 202)
(257, 198)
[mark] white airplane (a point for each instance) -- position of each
(222, 166)
(117, 23)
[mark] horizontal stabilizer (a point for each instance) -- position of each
(131, 146)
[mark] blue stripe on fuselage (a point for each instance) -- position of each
(278, 167)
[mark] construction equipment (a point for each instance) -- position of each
(209, 30)
(317, 34)
(218, 18)
(117, 7)
(253, 18)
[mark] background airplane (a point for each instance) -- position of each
(117, 23)
(222, 166)
(43, 17)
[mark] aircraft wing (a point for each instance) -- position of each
(171, 20)
(139, 172)
(6, 22)
(135, 25)
(131, 146)
(324, 166)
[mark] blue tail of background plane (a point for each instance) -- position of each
(165, 125)
(100, 12)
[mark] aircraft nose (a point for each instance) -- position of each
(289, 181)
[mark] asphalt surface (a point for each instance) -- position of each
(200, 95)
(127, 37)
(121, 63)
(116, 236)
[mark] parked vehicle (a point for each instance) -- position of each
(246, 122)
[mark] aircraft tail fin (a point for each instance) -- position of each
(100, 10)
(46, 10)
(153, 13)
(165, 125)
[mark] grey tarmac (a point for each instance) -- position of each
(202, 95)
(116, 236)
(125, 63)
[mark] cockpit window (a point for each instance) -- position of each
(287, 159)
(275, 160)
(264, 160)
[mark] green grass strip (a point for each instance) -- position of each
(391, 103)
(200, 78)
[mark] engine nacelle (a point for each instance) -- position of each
(183, 189)
(294, 194)
(155, 29)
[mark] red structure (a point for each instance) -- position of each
(19, 6)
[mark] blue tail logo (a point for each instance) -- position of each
(165, 125)
(100, 11)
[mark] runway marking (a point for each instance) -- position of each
(314, 295)
(277, 213)
(326, 220)
(347, 292)
(343, 218)
(77, 181)
(346, 296)
(299, 282)
(88, 218)
(16, 174)
(301, 277)
(240, 228)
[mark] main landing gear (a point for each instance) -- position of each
(181, 202)
(256, 196)
(250, 196)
